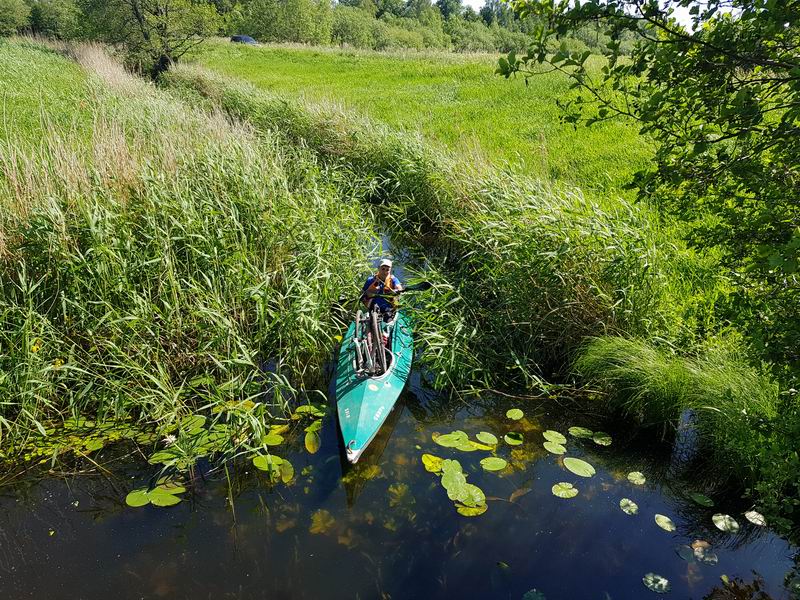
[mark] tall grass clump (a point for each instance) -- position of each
(530, 269)
(173, 261)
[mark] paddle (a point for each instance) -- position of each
(417, 287)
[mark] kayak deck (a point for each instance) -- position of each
(363, 402)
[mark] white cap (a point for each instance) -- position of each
(386, 263)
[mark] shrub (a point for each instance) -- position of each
(352, 27)
(13, 16)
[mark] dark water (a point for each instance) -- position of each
(386, 529)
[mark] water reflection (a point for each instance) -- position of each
(386, 528)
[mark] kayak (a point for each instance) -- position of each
(364, 400)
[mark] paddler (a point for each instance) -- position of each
(381, 284)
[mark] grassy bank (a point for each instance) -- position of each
(156, 263)
(453, 100)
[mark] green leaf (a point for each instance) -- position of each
(601, 438)
(564, 490)
(315, 426)
(471, 511)
(515, 414)
(725, 523)
(579, 467)
(137, 498)
(756, 518)
(161, 497)
(487, 438)
(554, 436)
(656, 583)
(494, 463)
(628, 506)
(513, 438)
(665, 523)
(554, 448)
(450, 440)
(192, 423)
(267, 462)
(272, 439)
(321, 522)
(636, 478)
(287, 471)
(580, 432)
(312, 442)
(701, 499)
(432, 464)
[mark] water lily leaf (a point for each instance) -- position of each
(453, 478)
(471, 511)
(564, 490)
(725, 523)
(533, 594)
(701, 499)
(636, 478)
(315, 426)
(321, 522)
(554, 436)
(313, 442)
(513, 438)
(494, 463)
(601, 438)
(172, 487)
(93, 444)
(515, 414)
(470, 446)
(472, 496)
(450, 440)
(272, 439)
(554, 448)
(193, 423)
(309, 409)
(137, 498)
(756, 518)
(579, 467)
(286, 471)
(161, 497)
(628, 506)
(580, 432)
(685, 552)
(665, 523)
(487, 438)
(267, 462)
(656, 583)
(165, 457)
(432, 464)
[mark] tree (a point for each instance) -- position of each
(721, 99)
(155, 33)
(54, 18)
(13, 16)
(449, 8)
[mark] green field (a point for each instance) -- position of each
(456, 100)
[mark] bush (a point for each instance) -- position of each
(352, 27)
(469, 37)
(54, 18)
(506, 41)
(13, 16)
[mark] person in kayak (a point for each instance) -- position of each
(383, 283)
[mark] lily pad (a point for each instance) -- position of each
(267, 462)
(453, 479)
(309, 409)
(579, 467)
(756, 518)
(513, 438)
(272, 439)
(515, 414)
(554, 448)
(554, 436)
(636, 478)
(701, 499)
(471, 511)
(580, 432)
(601, 438)
(564, 490)
(665, 523)
(315, 426)
(487, 438)
(163, 498)
(450, 440)
(470, 446)
(628, 506)
(321, 521)
(472, 496)
(494, 463)
(725, 523)
(287, 471)
(137, 498)
(685, 552)
(656, 583)
(312, 442)
(432, 464)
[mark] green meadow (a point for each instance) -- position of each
(454, 100)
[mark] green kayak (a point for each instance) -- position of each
(364, 400)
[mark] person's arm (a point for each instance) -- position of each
(398, 287)
(370, 287)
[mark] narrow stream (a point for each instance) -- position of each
(386, 529)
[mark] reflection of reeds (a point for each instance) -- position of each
(149, 267)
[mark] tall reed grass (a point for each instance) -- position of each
(156, 265)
